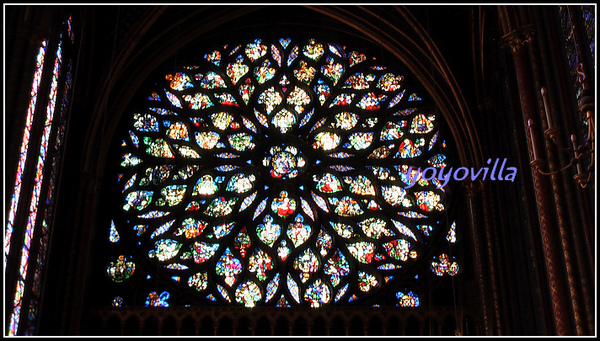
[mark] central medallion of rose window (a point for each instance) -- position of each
(284, 161)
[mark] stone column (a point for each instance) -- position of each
(518, 41)
(473, 190)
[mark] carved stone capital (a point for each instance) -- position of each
(473, 188)
(518, 38)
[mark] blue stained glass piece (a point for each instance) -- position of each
(307, 209)
(249, 125)
(306, 118)
(318, 124)
(260, 208)
(320, 202)
(226, 168)
(341, 293)
(284, 42)
(292, 55)
(248, 201)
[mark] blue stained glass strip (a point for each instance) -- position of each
(154, 214)
(134, 139)
(341, 168)
(262, 119)
(272, 288)
(404, 230)
(248, 201)
(306, 118)
(130, 182)
(226, 168)
(307, 209)
(341, 292)
(318, 124)
(173, 99)
(412, 214)
(260, 208)
(320, 202)
(227, 155)
(396, 99)
(249, 125)
(293, 55)
(162, 229)
(293, 287)
(276, 54)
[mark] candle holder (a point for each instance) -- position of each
(581, 152)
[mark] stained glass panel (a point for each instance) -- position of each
(24, 148)
(38, 181)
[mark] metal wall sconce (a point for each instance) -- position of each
(580, 152)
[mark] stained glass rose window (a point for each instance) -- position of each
(279, 173)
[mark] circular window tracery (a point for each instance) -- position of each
(280, 174)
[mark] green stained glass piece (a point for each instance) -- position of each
(264, 73)
(202, 251)
(179, 81)
(260, 264)
(359, 81)
(317, 294)
(237, 69)
(228, 267)
(268, 231)
(390, 82)
(367, 281)
(337, 267)
(165, 249)
(270, 98)
(328, 183)
(298, 231)
(207, 139)
(375, 228)
(159, 148)
(211, 80)
(198, 101)
(305, 73)
(313, 50)
(332, 70)
(138, 200)
(198, 281)
(248, 294)
(240, 183)
(120, 269)
(221, 207)
(255, 50)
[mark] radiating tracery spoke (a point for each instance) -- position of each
(279, 174)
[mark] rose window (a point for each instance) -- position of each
(277, 173)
